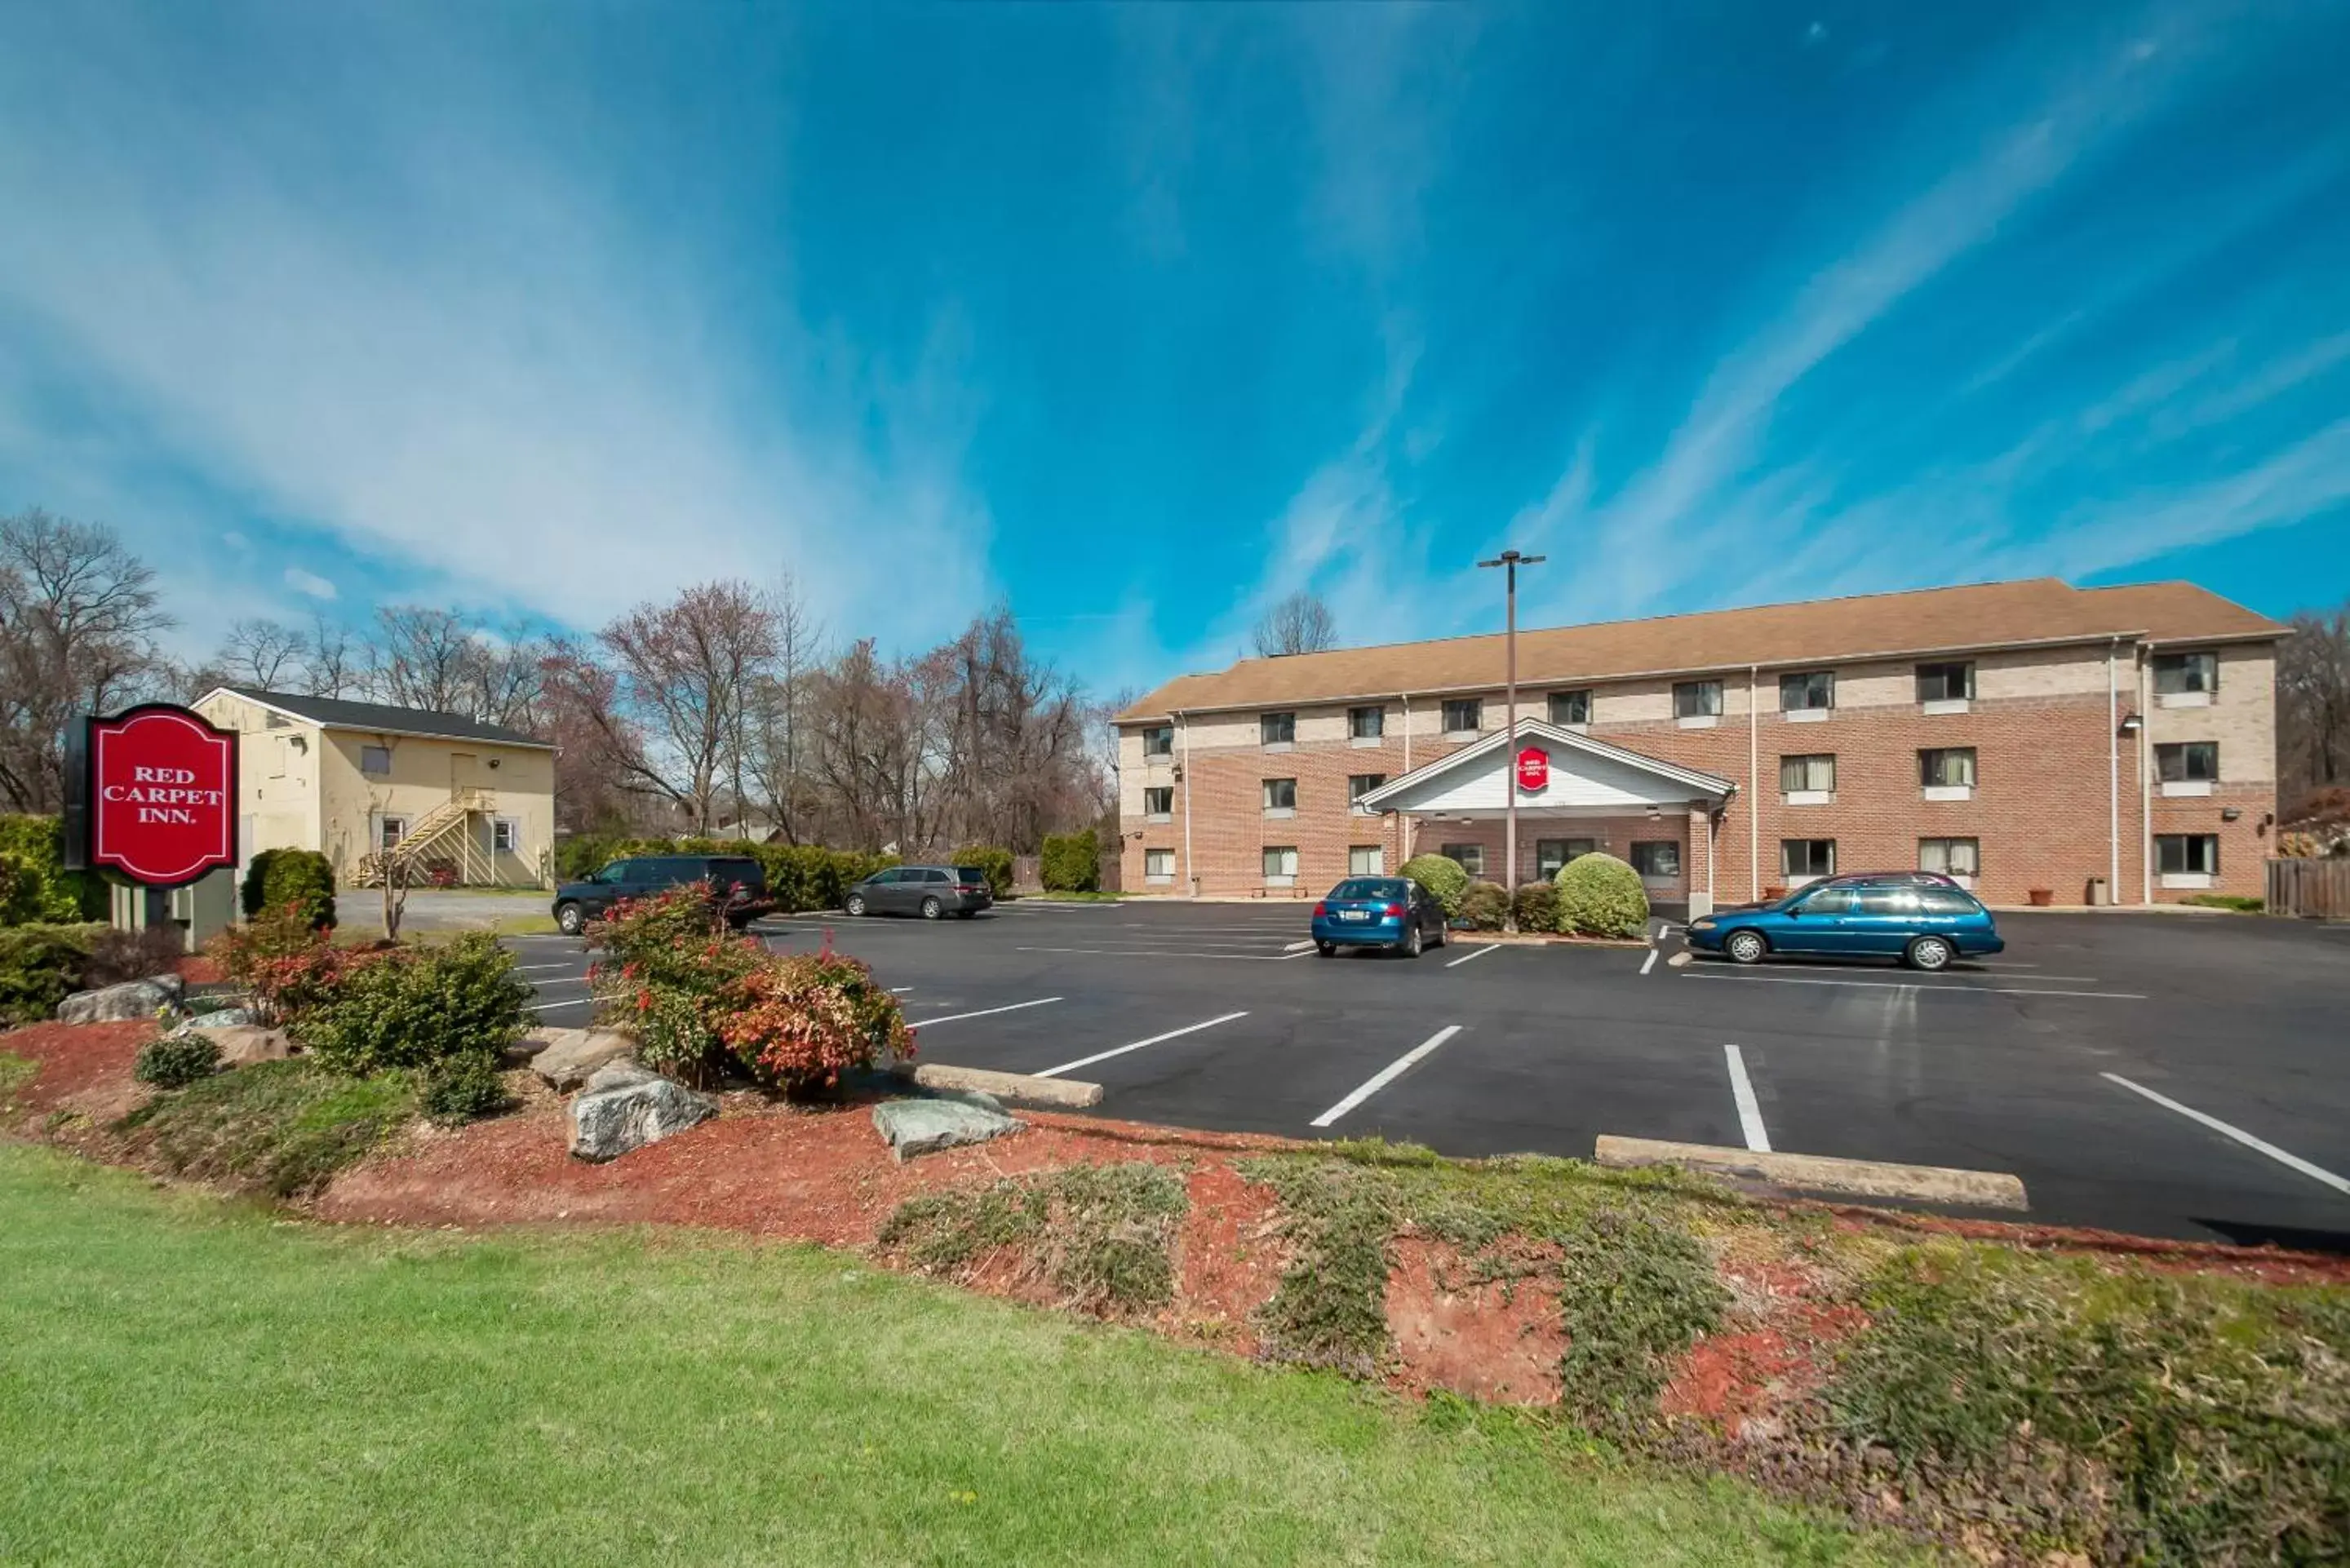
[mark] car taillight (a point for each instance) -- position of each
(1321, 911)
(970, 887)
(1393, 911)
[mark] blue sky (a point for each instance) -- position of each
(1138, 318)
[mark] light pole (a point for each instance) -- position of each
(1511, 561)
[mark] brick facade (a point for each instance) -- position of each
(2040, 813)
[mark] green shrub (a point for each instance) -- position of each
(176, 1061)
(465, 1089)
(2241, 903)
(670, 960)
(994, 859)
(303, 878)
(1483, 906)
(278, 1128)
(40, 966)
(1537, 906)
(418, 1008)
(42, 891)
(1444, 878)
(799, 875)
(251, 894)
(1071, 863)
(1600, 895)
(583, 853)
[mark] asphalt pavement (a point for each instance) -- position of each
(2162, 1075)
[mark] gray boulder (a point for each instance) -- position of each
(222, 1018)
(245, 1045)
(625, 1107)
(133, 999)
(912, 1127)
(569, 1058)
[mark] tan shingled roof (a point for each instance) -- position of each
(1985, 615)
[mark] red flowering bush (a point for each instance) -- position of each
(700, 1000)
(286, 961)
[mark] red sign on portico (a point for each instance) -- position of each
(162, 793)
(1533, 769)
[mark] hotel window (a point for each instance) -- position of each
(1463, 715)
(1366, 723)
(391, 831)
(1807, 779)
(1158, 741)
(1550, 854)
(1570, 707)
(1360, 785)
(1951, 857)
(505, 836)
(2186, 762)
(1946, 683)
(2186, 856)
(1366, 860)
(1659, 859)
(2181, 674)
(1280, 797)
(1280, 865)
(1470, 856)
(1946, 768)
(375, 761)
(1813, 691)
(1697, 699)
(1277, 729)
(1806, 859)
(1158, 865)
(1159, 803)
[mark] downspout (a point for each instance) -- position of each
(2145, 785)
(2113, 773)
(1753, 785)
(1190, 875)
(1408, 824)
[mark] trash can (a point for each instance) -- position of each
(2099, 895)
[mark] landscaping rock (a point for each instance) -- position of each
(222, 1018)
(570, 1057)
(625, 1107)
(245, 1045)
(912, 1127)
(133, 999)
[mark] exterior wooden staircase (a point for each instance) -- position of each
(443, 833)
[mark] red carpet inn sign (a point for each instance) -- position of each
(160, 807)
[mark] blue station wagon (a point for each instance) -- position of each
(1921, 922)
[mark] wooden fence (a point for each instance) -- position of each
(2315, 889)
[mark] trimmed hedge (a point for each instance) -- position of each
(421, 1008)
(176, 1061)
(1444, 878)
(36, 888)
(301, 878)
(799, 875)
(1537, 906)
(994, 859)
(1071, 863)
(1483, 906)
(40, 966)
(1600, 895)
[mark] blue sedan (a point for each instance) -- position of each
(1393, 912)
(1923, 924)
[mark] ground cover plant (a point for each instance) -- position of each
(1101, 1235)
(279, 1128)
(359, 1395)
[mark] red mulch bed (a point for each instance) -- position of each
(81, 1065)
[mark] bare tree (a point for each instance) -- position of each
(78, 619)
(1298, 624)
(875, 748)
(420, 658)
(775, 718)
(263, 654)
(687, 670)
(2314, 706)
(331, 661)
(599, 764)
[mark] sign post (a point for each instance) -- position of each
(156, 790)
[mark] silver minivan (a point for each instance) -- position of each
(932, 892)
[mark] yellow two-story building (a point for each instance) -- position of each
(439, 797)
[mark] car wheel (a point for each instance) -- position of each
(855, 905)
(1327, 950)
(570, 921)
(933, 908)
(1414, 943)
(1929, 953)
(1442, 935)
(1746, 947)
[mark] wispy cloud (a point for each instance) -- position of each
(309, 583)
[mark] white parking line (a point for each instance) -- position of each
(1750, 1114)
(1387, 1074)
(1122, 1050)
(1649, 962)
(1296, 946)
(533, 968)
(900, 990)
(984, 1012)
(1913, 985)
(1169, 952)
(2291, 1161)
(560, 980)
(565, 1001)
(1464, 958)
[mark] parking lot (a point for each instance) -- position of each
(2167, 1075)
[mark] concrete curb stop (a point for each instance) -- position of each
(1819, 1173)
(1023, 1087)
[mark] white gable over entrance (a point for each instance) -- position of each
(1585, 776)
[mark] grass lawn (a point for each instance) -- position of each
(190, 1381)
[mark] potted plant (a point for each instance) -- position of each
(2040, 897)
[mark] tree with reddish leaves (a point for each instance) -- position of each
(686, 673)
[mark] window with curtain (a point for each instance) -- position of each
(1812, 771)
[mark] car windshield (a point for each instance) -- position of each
(1368, 888)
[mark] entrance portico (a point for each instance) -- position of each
(1575, 795)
